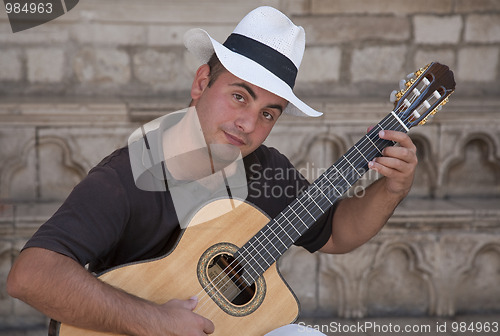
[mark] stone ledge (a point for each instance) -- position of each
(53, 111)
(91, 110)
(469, 214)
(415, 214)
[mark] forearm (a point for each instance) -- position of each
(358, 219)
(62, 289)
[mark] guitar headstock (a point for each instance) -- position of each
(425, 94)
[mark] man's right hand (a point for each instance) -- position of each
(60, 288)
(183, 321)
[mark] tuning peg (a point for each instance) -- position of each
(402, 84)
(436, 110)
(405, 83)
(421, 70)
(393, 97)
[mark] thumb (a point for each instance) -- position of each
(192, 302)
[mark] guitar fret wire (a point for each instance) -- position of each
(361, 153)
(265, 259)
(328, 199)
(300, 219)
(349, 162)
(331, 184)
(338, 171)
(283, 230)
(262, 233)
(281, 227)
(298, 200)
(334, 187)
(291, 224)
(277, 236)
(279, 252)
(269, 226)
(251, 256)
(366, 135)
(312, 199)
(272, 244)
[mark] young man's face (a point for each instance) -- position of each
(234, 112)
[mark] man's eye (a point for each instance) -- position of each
(238, 97)
(268, 115)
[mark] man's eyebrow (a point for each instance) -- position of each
(246, 87)
(278, 107)
(254, 96)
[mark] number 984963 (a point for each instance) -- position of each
(28, 8)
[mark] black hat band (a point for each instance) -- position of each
(269, 58)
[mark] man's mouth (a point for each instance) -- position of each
(234, 140)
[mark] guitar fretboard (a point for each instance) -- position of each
(274, 239)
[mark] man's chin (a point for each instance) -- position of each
(225, 153)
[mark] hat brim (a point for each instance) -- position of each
(199, 42)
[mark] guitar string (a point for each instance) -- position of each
(321, 210)
(285, 215)
(214, 287)
(320, 186)
(256, 248)
(311, 200)
(276, 221)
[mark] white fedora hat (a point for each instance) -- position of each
(265, 49)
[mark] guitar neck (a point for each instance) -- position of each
(274, 239)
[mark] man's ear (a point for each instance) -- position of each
(200, 81)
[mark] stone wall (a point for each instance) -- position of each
(355, 48)
(72, 90)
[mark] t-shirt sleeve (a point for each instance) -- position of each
(89, 223)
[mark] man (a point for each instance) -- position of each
(113, 217)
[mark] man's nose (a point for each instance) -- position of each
(246, 120)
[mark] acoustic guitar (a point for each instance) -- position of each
(227, 255)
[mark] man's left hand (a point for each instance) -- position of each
(398, 163)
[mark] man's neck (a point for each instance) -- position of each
(187, 155)
(185, 150)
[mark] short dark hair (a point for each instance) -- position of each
(216, 68)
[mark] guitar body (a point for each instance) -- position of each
(184, 273)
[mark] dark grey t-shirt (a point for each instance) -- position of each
(107, 221)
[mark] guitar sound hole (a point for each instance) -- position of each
(225, 274)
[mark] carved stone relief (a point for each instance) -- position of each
(424, 184)
(477, 289)
(470, 161)
(476, 172)
(399, 283)
(5, 264)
